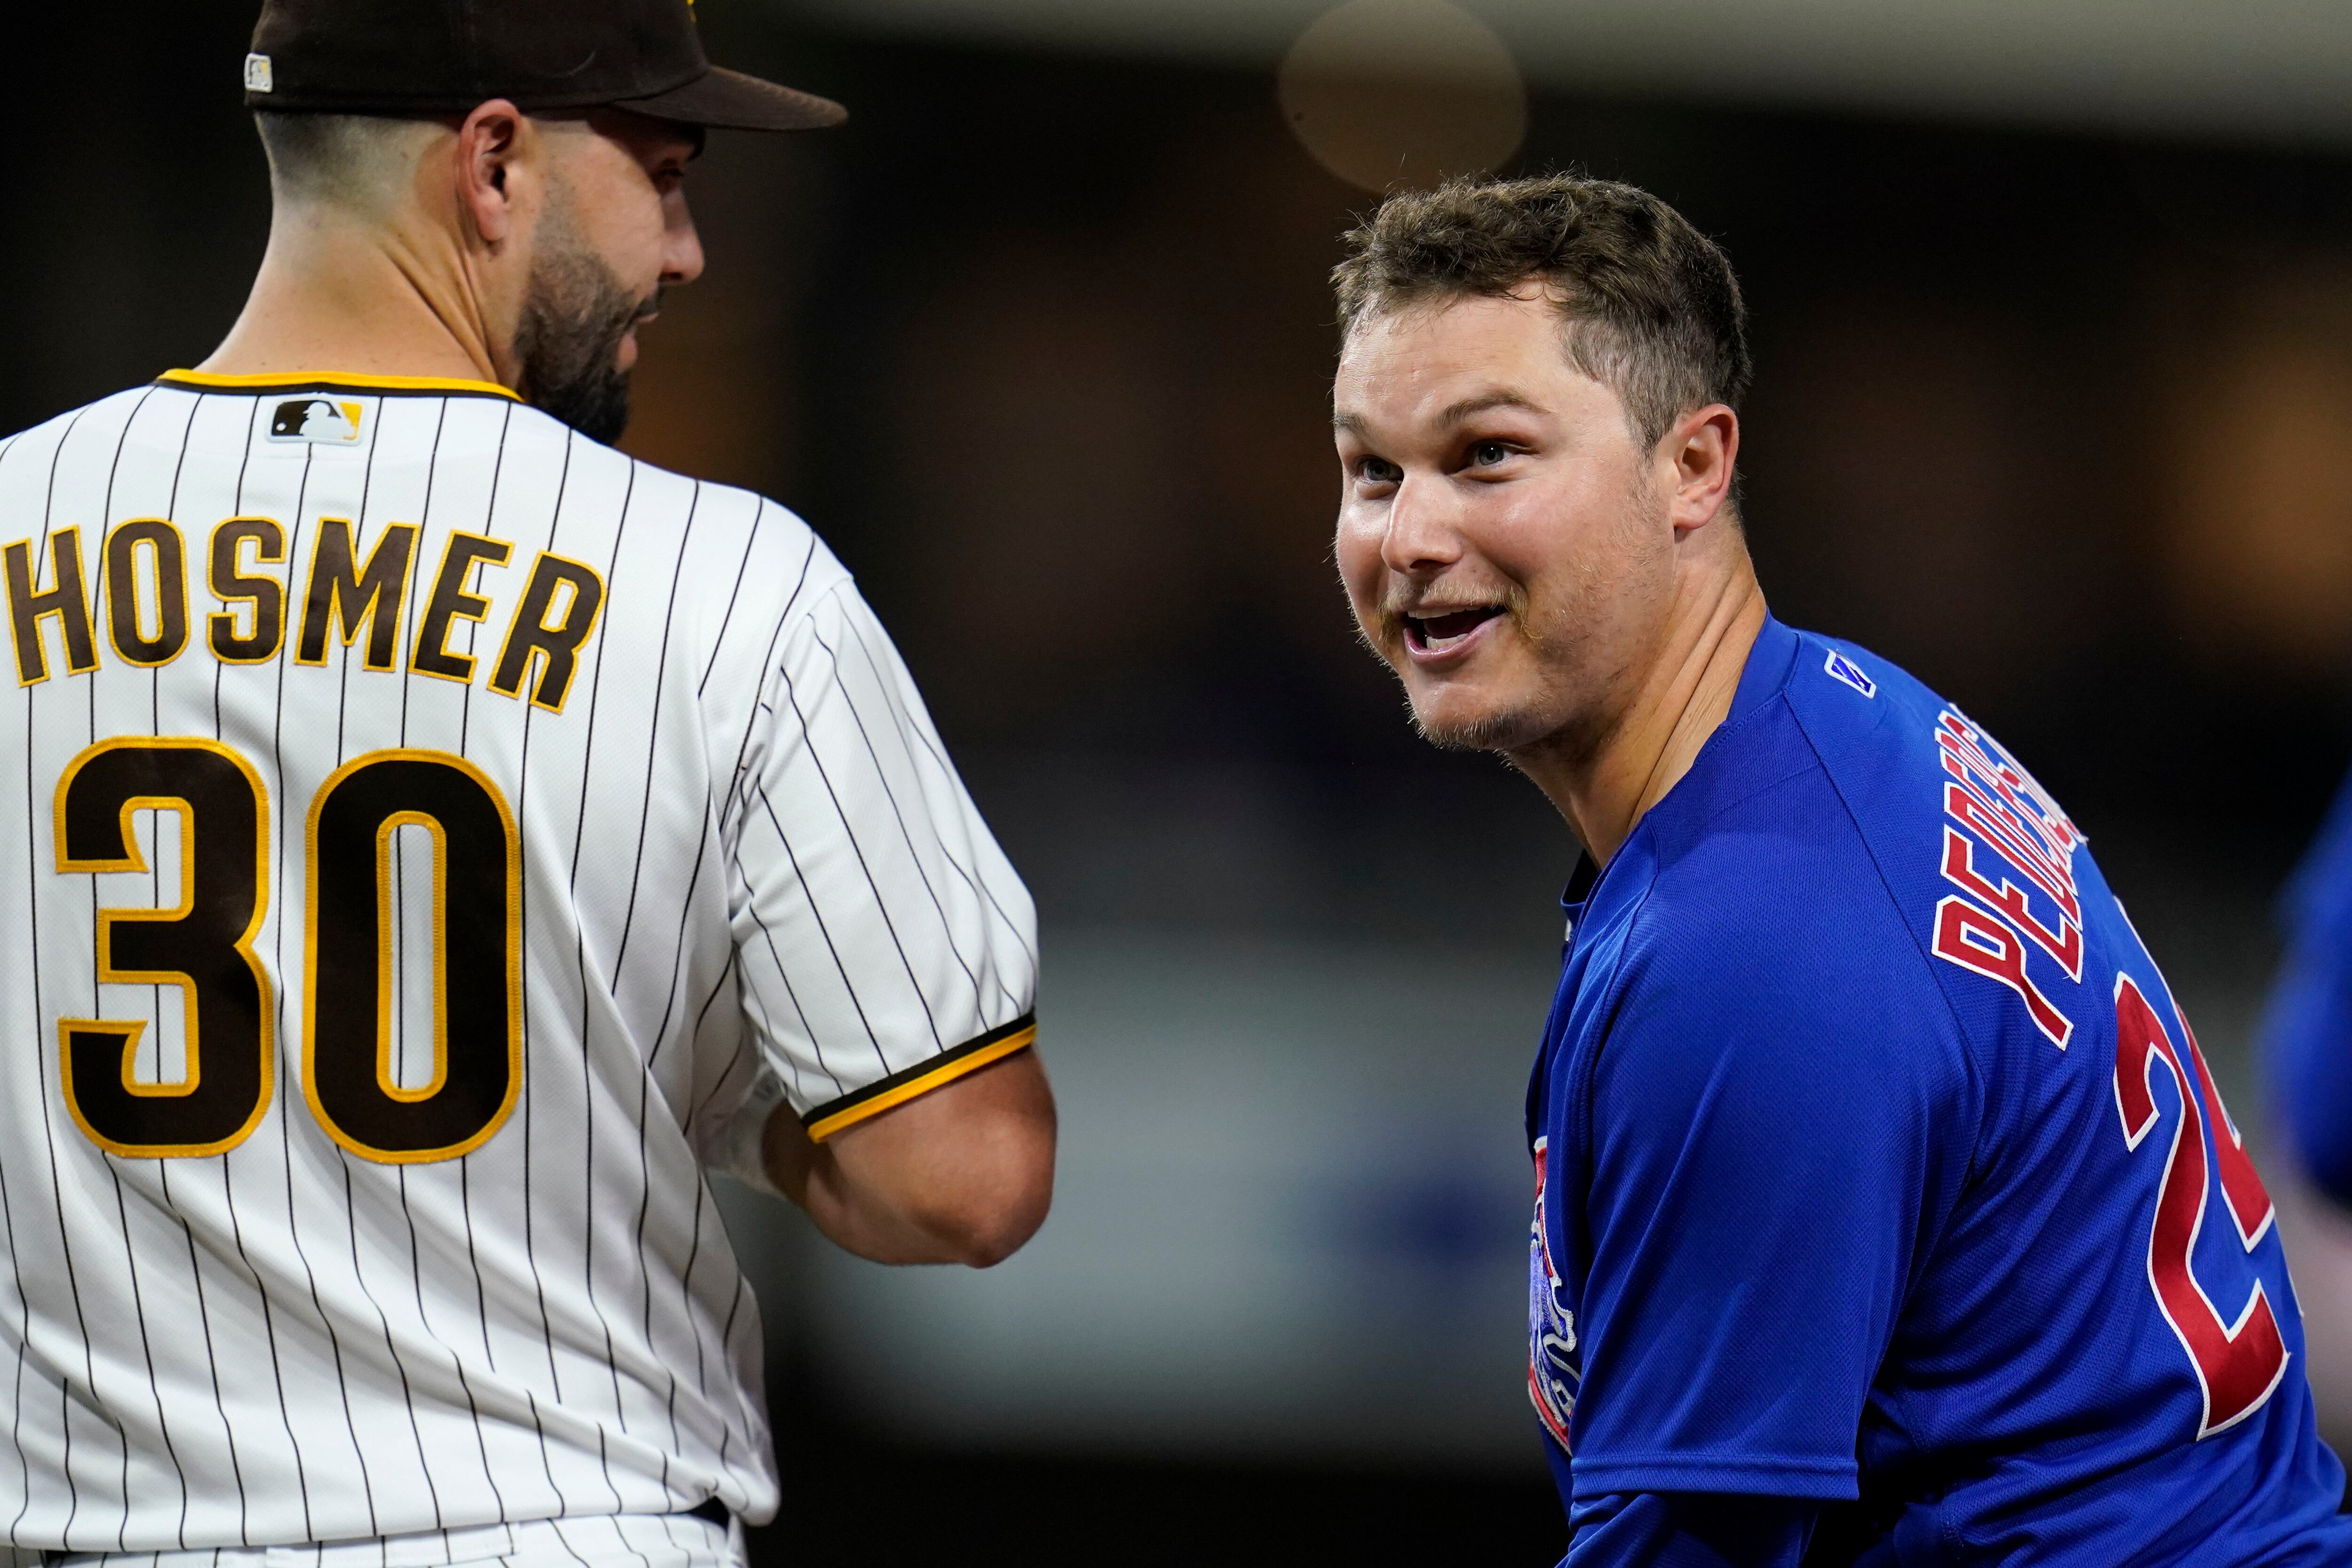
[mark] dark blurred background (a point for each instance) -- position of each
(2053, 311)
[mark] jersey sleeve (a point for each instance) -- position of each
(1778, 1116)
(2307, 1033)
(886, 946)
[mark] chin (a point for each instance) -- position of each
(1455, 725)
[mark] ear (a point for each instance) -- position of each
(1698, 453)
(492, 142)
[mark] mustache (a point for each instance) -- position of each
(1399, 599)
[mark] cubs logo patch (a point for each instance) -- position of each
(1552, 1374)
(1841, 668)
(316, 419)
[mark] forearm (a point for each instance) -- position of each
(964, 1174)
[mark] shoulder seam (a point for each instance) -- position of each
(1968, 1037)
(1816, 765)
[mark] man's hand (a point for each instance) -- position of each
(962, 1175)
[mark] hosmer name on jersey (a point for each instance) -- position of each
(311, 967)
(543, 613)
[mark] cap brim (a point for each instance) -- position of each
(729, 101)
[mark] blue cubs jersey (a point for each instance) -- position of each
(1875, 1161)
(2307, 1033)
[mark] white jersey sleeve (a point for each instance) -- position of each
(886, 946)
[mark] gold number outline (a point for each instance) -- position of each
(132, 860)
(512, 922)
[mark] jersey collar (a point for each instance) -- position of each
(1767, 670)
(1761, 679)
(331, 381)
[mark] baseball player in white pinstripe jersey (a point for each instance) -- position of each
(438, 841)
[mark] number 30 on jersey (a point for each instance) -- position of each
(204, 948)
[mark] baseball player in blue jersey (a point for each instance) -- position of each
(2309, 1032)
(1885, 1211)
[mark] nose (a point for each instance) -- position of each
(1421, 536)
(681, 246)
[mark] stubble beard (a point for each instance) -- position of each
(1569, 636)
(568, 339)
(1505, 728)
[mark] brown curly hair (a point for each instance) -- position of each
(1652, 309)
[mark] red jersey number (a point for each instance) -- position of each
(2238, 1365)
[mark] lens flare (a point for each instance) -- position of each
(1402, 93)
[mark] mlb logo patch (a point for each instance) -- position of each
(316, 419)
(1843, 669)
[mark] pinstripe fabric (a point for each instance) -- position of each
(624, 1541)
(746, 867)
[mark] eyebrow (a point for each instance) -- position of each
(1453, 413)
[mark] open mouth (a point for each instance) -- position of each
(1441, 633)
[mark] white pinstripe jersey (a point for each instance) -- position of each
(421, 831)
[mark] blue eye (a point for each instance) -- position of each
(1486, 454)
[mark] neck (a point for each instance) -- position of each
(339, 293)
(1602, 787)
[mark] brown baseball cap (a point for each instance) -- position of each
(443, 57)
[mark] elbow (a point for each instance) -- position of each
(963, 1175)
(986, 1247)
(1012, 1225)
(995, 1216)
(1004, 1182)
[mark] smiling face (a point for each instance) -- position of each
(1506, 538)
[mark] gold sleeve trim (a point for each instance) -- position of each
(958, 1063)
